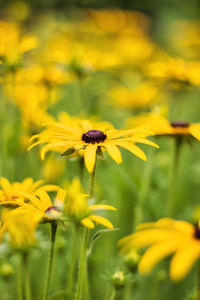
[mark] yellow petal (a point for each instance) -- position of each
(143, 141)
(5, 184)
(155, 253)
(90, 157)
(145, 238)
(53, 146)
(101, 220)
(114, 152)
(87, 223)
(183, 260)
(102, 206)
(132, 148)
(195, 130)
(49, 187)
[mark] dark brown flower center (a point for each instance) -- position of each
(197, 232)
(94, 136)
(182, 124)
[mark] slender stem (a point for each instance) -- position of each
(82, 264)
(174, 176)
(145, 185)
(127, 292)
(198, 282)
(70, 281)
(82, 282)
(19, 280)
(50, 261)
(27, 290)
(112, 295)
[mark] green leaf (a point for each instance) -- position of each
(68, 152)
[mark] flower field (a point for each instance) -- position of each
(99, 156)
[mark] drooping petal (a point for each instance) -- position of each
(132, 148)
(60, 197)
(102, 206)
(90, 156)
(87, 223)
(145, 238)
(114, 152)
(101, 220)
(156, 253)
(183, 260)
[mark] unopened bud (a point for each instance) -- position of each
(6, 270)
(132, 260)
(118, 279)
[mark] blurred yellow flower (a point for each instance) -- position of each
(10, 193)
(142, 96)
(76, 206)
(21, 226)
(166, 237)
(159, 125)
(13, 44)
(92, 138)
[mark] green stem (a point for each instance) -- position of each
(82, 264)
(127, 293)
(145, 185)
(82, 282)
(19, 280)
(198, 282)
(112, 295)
(174, 176)
(27, 290)
(50, 261)
(70, 281)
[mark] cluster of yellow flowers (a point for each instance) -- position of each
(33, 75)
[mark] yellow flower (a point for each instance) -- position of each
(42, 205)
(159, 125)
(13, 44)
(166, 237)
(141, 96)
(11, 193)
(21, 226)
(93, 138)
(76, 207)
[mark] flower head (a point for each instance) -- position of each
(77, 207)
(159, 125)
(92, 138)
(11, 193)
(21, 226)
(42, 205)
(166, 237)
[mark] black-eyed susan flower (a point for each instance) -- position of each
(43, 206)
(92, 138)
(78, 209)
(159, 125)
(166, 237)
(11, 193)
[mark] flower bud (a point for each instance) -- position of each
(6, 270)
(132, 260)
(118, 279)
